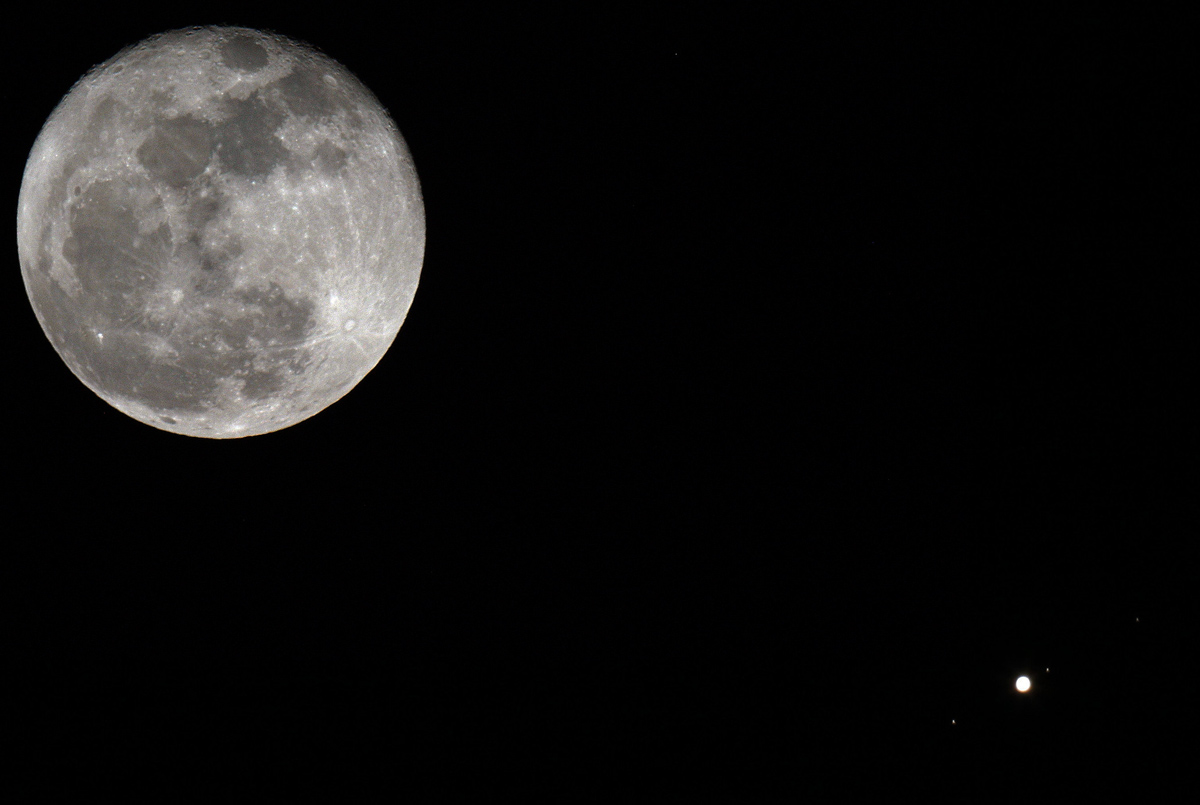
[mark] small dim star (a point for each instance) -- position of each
(952, 721)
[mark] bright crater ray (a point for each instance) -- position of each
(221, 231)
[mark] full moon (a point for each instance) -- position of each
(1022, 683)
(221, 231)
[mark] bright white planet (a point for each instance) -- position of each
(221, 231)
(1022, 683)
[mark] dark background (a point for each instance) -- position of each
(777, 390)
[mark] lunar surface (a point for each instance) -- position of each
(221, 231)
(1023, 683)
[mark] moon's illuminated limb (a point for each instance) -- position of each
(221, 231)
(1023, 683)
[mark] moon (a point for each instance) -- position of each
(221, 231)
(1022, 683)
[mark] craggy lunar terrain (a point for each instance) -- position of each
(221, 231)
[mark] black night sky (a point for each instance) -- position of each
(778, 390)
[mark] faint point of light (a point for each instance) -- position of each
(1022, 683)
(952, 721)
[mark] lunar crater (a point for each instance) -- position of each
(243, 52)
